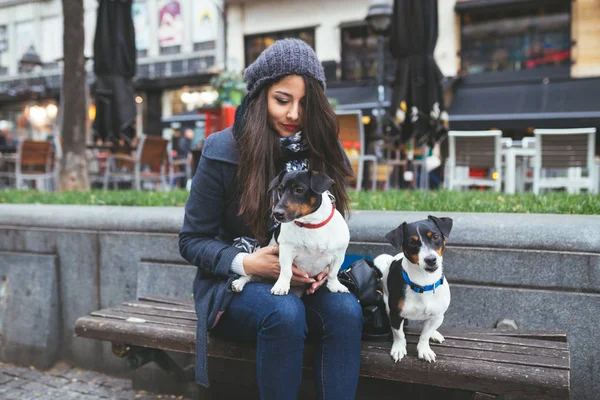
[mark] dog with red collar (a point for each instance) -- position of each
(313, 234)
(414, 285)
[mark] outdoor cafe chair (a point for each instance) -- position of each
(565, 149)
(153, 152)
(33, 162)
(352, 136)
(474, 149)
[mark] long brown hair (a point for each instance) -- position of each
(260, 155)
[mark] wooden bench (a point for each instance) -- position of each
(485, 362)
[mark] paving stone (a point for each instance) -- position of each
(53, 381)
(5, 378)
(16, 394)
(118, 383)
(104, 392)
(125, 394)
(35, 387)
(89, 376)
(31, 374)
(16, 382)
(80, 387)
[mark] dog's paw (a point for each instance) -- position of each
(336, 287)
(280, 288)
(238, 285)
(398, 351)
(437, 337)
(425, 352)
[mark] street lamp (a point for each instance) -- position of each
(30, 60)
(379, 19)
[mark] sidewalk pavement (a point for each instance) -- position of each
(67, 383)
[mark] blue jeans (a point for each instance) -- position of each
(281, 324)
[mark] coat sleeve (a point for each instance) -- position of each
(204, 217)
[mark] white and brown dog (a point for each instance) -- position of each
(414, 285)
(313, 235)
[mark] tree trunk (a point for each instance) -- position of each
(73, 166)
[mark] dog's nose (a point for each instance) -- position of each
(278, 215)
(430, 260)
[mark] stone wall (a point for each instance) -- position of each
(58, 263)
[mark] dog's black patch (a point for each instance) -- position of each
(397, 287)
(298, 193)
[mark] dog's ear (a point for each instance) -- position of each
(320, 182)
(396, 237)
(444, 224)
(277, 180)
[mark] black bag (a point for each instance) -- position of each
(364, 280)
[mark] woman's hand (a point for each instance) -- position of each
(265, 263)
(320, 280)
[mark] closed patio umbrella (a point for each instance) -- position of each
(114, 67)
(417, 99)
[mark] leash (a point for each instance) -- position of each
(315, 226)
(421, 289)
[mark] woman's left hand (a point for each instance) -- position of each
(320, 280)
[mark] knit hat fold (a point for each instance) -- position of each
(284, 57)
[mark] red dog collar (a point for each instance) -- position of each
(315, 226)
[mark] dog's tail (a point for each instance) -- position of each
(383, 262)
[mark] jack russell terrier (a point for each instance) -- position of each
(313, 236)
(414, 286)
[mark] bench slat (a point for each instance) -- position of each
(151, 319)
(556, 356)
(167, 300)
(158, 313)
(181, 340)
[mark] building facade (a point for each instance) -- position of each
(525, 64)
(180, 46)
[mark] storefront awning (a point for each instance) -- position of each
(551, 104)
(357, 97)
(364, 97)
(471, 5)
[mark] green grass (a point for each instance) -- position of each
(396, 200)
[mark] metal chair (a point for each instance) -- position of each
(352, 136)
(470, 149)
(567, 149)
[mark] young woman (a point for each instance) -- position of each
(285, 122)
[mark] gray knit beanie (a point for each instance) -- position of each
(284, 57)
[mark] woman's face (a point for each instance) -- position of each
(285, 104)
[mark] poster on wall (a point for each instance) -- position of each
(139, 11)
(205, 23)
(25, 39)
(52, 34)
(170, 23)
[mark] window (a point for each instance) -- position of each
(516, 38)
(359, 53)
(255, 44)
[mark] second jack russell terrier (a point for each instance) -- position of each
(414, 286)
